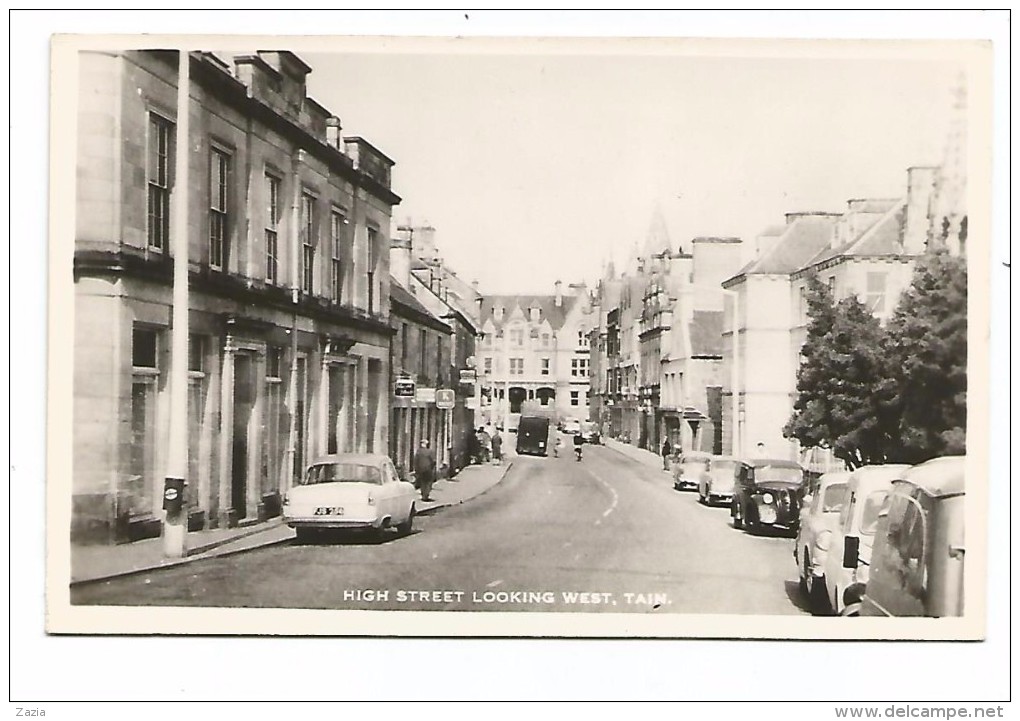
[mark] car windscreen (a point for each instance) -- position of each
(869, 517)
(695, 464)
(342, 473)
(783, 474)
(834, 497)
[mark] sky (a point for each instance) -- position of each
(535, 167)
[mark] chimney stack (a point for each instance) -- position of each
(920, 191)
(559, 293)
(400, 256)
(334, 134)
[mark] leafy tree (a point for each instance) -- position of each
(926, 348)
(842, 403)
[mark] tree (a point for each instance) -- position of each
(842, 402)
(926, 348)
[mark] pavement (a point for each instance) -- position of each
(102, 562)
(645, 458)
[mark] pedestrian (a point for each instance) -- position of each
(474, 449)
(425, 469)
(666, 451)
(497, 447)
(485, 441)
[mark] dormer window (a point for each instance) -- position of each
(497, 312)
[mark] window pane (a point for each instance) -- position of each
(196, 353)
(143, 348)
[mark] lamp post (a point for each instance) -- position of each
(175, 521)
(735, 340)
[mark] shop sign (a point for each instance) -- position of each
(425, 395)
(404, 388)
(445, 399)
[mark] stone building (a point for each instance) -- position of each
(420, 364)
(868, 251)
(415, 259)
(535, 348)
(287, 231)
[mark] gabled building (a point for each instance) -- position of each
(535, 348)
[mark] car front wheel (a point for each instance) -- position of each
(818, 597)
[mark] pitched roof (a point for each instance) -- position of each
(706, 333)
(555, 315)
(401, 296)
(801, 240)
(884, 237)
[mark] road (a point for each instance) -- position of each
(605, 534)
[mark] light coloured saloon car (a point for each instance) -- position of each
(849, 561)
(715, 485)
(819, 516)
(688, 469)
(350, 491)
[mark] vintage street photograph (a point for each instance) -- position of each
(543, 337)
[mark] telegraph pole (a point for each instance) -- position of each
(175, 523)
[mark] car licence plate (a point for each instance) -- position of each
(329, 511)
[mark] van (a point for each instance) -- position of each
(852, 540)
(533, 435)
(918, 557)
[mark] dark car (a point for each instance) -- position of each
(767, 492)
(533, 435)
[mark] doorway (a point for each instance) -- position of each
(244, 404)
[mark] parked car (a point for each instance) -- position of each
(350, 491)
(715, 485)
(571, 426)
(917, 562)
(767, 492)
(819, 516)
(688, 467)
(590, 432)
(866, 491)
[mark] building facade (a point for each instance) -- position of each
(287, 230)
(422, 344)
(415, 255)
(867, 251)
(535, 348)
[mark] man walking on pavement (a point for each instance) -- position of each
(497, 447)
(666, 450)
(425, 469)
